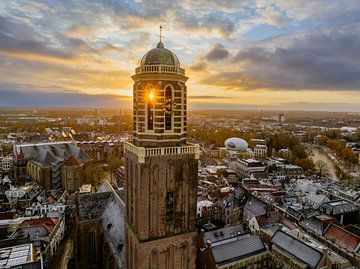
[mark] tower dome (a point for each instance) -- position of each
(160, 56)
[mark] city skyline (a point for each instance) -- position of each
(276, 55)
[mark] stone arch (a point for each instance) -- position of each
(154, 259)
(170, 257)
(185, 255)
(171, 173)
(154, 199)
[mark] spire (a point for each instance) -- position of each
(160, 35)
(160, 45)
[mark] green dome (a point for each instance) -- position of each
(160, 55)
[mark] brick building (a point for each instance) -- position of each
(161, 168)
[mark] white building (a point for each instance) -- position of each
(260, 151)
(201, 206)
(43, 209)
(250, 166)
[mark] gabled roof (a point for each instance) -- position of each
(342, 237)
(230, 202)
(268, 218)
(72, 161)
(255, 206)
(53, 154)
(317, 224)
(297, 249)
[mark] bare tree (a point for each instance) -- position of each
(322, 168)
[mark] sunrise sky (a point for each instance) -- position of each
(263, 54)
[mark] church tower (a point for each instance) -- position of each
(161, 168)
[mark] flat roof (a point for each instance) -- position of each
(16, 255)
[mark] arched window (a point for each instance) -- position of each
(185, 255)
(170, 257)
(150, 115)
(154, 200)
(154, 259)
(168, 112)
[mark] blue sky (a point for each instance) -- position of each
(284, 54)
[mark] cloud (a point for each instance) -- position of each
(206, 97)
(321, 60)
(31, 98)
(199, 66)
(259, 46)
(217, 53)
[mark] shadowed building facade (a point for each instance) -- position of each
(161, 168)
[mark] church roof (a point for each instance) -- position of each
(72, 161)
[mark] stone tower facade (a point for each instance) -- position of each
(161, 169)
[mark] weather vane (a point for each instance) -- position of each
(160, 35)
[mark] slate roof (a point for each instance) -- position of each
(317, 224)
(109, 207)
(92, 205)
(338, 207)
(294, 213)
(48, 154)
(112, 221)
(236, 248)
(297, 249)
(254, 207)
(309, 212)
(317, 198)
(230, 202)
(224, 233)
(53, 155)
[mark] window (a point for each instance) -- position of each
(150, 115)
(92, 246)
(170, 207)
(168, 113)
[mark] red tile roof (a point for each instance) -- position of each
(72, 161)
(48, 223)
(342, 237)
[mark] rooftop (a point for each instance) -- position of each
(342, 237)
(236, 248)
(224, 233)
(297, 249)
(16, 256)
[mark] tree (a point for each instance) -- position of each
(306, 164)
(93, 174)
(115, 163)
(322, 168)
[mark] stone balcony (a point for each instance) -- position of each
(160, 69)
(143, 152)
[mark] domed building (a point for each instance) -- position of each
(159, 99)
(160, 56)
(161, 168)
